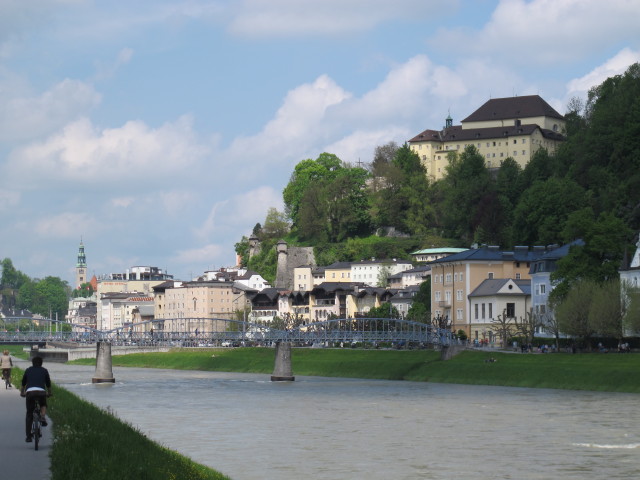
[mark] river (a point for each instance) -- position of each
(250, 428)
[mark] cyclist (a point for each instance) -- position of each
(6, 364)
(36, 383)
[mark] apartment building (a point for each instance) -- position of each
(454, 277)
(513, 127)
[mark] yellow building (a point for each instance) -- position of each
(455, 277)
(513, 127)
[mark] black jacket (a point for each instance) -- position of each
(36, 377)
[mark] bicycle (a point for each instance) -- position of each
(36, 423)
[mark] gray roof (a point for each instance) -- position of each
(492, 287)
(486, 253)
(457, 133)
(513, 107)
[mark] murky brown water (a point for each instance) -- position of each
(250, 428)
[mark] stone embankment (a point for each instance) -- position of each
(60, 352)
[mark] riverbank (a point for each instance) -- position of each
(611, 372)
(85, 446)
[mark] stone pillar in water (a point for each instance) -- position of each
(104, 373)
(282, 371)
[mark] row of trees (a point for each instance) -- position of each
(47, 297)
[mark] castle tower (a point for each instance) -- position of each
(81, 266)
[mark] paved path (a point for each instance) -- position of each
(18, 459)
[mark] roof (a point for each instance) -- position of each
(496, 286)
(436, 251)
(513, 107)
(457, 133)
(493, 253)
(338, 265)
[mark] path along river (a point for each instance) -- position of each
(322, 428)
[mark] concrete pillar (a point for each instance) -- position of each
(282, 371)
(104, 373)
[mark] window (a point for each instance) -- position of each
(476, 310)
(459, 314)
(483, 311)
(458, 294)
(437, 295)
(543, 289)
(517, 276)
(447, 296)
(491, 310)
(490, 275)
(461, 277)
(511, 310)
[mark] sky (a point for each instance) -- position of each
(159, 132)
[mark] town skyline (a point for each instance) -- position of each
(161, 132)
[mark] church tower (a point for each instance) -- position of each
(81, 266)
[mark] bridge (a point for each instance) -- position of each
(199, 332)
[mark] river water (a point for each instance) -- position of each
(250, 428)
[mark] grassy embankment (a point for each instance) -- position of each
(611, 372)
(92, 444)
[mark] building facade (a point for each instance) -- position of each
(513, 127)
(454, 277)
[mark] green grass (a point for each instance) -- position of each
(92, 444)
(594, 371)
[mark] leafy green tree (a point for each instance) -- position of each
(420, 309)
(275, 226)
(45, 297)
(386, 310)
(306, 173)
(607, 310)
(573, 312)
(84, 291)
(543, 209)
(605, 238)
(468, 184)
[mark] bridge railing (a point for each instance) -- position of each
(237, 332)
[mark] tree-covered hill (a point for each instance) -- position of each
(589, 188)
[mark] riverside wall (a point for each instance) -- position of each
(60, 355)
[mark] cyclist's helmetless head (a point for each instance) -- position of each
(36, 361)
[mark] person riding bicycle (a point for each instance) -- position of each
(6, 364)
(36, 383)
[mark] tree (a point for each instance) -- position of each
(275, 226)
(598, 258)
(84, 291)
(504, 327)
(607, 310)
(420, 309)
(467, 183)
(573, 312)
(386, 310)
(382, 158)
(305, 174)
(543, 209)
(526, 326)
(631, 295)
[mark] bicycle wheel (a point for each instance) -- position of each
(35, 430)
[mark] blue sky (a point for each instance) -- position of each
(161, 131)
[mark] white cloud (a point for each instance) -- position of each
(614, 66)
(108, 70)
(242, 210)
(65, 225)
(198, 256)
(283, 18)
(8, 199)
(297, 128)
(131, 154)
(544, 32)
(26, 117)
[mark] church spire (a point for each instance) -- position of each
(81, 266)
